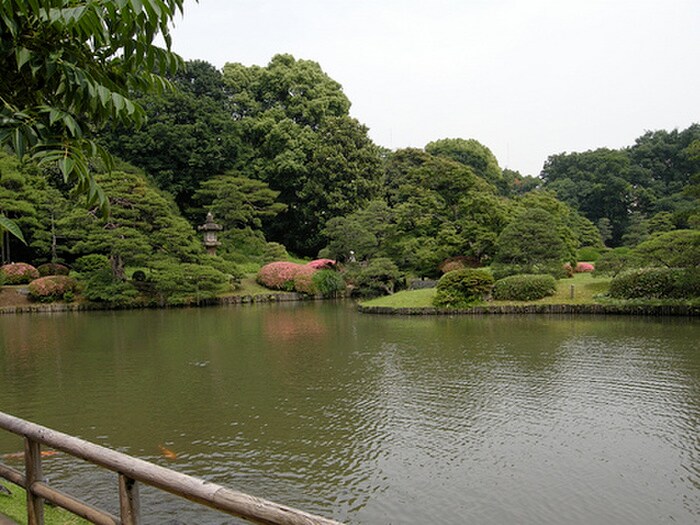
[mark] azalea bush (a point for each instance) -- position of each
(19, 273)
(304, 280)
(524, 287)
(463, 288)
(52, 269)
(52, 288)
(584, 267)
(322, 264)
(288, 276)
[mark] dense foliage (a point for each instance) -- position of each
(656, 283)
(526, 287)
(53, 288)
(462, 288)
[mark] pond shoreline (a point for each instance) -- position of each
(565, 309)
(41, 308)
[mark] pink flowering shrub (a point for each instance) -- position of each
(322, 264)
(303, 280)
(18, 273)
(287, 276)
(583, 267)
(52, 288)
(52, 269)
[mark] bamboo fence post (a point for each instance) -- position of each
(129, 503)
(33, 473)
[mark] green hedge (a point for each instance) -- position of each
(656, 283)
(527, 287)
(462, 288)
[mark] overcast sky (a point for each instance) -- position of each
(527, 78)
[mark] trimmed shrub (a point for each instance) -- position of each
(100, 286)
(91, 263)
(52, 288)
(584, 267)
(656, 283)
(278, 275)
(304, 280)
(19, 273)
(558, 271)
(184, 283)
(329, 283)
(462, 288)
(527, 287)
(224, 266)
(274, 251)
(588, 253)
(52, 269)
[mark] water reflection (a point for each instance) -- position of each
(372, 419)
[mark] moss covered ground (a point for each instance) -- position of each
(14, 507)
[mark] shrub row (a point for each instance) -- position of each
(526, 287)
(52, 288)
(314, 277)
(656, 283)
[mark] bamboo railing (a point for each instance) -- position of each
(131, 471)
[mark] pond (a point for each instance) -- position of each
(369, 419)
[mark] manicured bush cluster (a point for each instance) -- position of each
(656, 283)
(52, 269)
(184, 283)
(52, 288)
(18, 273)
(524, 287)
(556, 270)
(462, 288)
(274, 251)
(584, 267)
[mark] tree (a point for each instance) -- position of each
(532, 238)
(144, 226)
(67, 68)
(297, 136)
(674, 249)
(188, 137)
(473, 154)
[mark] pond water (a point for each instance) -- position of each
(370, 419)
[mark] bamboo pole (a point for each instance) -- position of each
(236, 503)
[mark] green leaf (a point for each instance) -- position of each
(9, 226)
(22, 55)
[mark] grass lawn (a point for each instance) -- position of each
(15, 507)
(585, 287)
(249, 286)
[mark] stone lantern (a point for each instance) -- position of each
(210, 237)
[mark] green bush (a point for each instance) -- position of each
(462, 288)
(275, 251)
(656, 283)
(184, 283)
(52, 269)
(329, 283)
(100, 286)
(526, 287)
(556, 270)
(52, 288)
(226, 267)
(91, 263)
(588, 254)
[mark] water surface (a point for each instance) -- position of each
(370, 419)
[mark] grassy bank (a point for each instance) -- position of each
(585, 288)
(14, 506)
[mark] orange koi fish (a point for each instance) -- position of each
(20, 455)
(167, 453)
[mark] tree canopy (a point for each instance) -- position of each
(67, 69)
